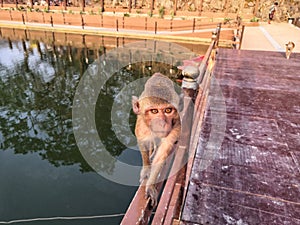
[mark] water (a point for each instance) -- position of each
(42, 172)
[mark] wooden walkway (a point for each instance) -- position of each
(254, 177)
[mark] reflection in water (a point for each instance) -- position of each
(37, 86)
(38, 80)
(37, 89)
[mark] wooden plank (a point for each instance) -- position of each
(164, 202)
(139, 210)
(172, 210)
(254, 178)
(200, 103)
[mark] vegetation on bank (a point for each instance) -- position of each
(253, 10)
(162, 13)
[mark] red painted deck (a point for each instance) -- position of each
(254, 178)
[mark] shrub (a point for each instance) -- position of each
(227, 20)
(254, 19)
(150, 14)
(100, 11)
(21, 8)
(172, 13)
(161, 12)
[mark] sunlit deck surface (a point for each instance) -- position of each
(255, 176)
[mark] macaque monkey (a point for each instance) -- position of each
(289, 48)
(157, 128)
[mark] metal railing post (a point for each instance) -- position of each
(194, 24)
(242, 35)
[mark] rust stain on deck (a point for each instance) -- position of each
(255, 175)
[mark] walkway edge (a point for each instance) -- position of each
(106, 32)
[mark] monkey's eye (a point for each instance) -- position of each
(154, 111)
(168, 110)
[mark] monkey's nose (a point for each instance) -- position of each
(159, 126)
(158, 122)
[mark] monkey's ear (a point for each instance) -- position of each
(135, 105)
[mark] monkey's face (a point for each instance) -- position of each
(158, 116)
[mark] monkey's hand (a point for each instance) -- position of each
(145, 172)
(151, 193)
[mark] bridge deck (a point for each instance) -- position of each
(254, 177)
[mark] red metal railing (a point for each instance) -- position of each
(106, 21)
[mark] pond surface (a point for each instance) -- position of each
(42, 171)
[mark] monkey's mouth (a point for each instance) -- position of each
(161, 134)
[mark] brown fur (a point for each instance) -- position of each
(157, 129)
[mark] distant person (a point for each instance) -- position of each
(272, 11)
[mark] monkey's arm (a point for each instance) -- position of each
(160, 157)
(144, 149)
(143, 135)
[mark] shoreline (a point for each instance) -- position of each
(110, 32)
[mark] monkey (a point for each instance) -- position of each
(157, 129)
(289, 48)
